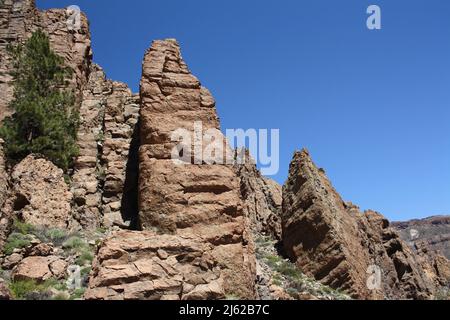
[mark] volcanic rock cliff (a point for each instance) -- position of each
(138, 225)
(338, 245)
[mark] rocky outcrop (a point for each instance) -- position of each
(147, 266)
(3, 175)
(39, 195)
(200, 200)
(18, 19)
(338, 245)
(40, 269)
(106, 168)
(3, 193)
(262, 199)
(5, 293)
(434, 231)
(120, 157)
(87, 170)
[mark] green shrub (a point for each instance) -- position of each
(277, 282)
(56, 235)
(273, 261)
(85, 271)
(74, 243)
(78, 294)
(84, 258)
(16, 241)
(292, 292)
(32, 290)
(22, 227)
(61, 296)
(288, 269)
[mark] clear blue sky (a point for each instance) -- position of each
(373, 107)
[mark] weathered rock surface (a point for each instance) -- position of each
(106, 169)
(338, 245)
(40, 268)
(85, 180)
(3, 175)
(120, 157)
(186, 199)
(19, 18)
(5, 294)
(4, 221)
(135, 265)
(39, 195)
(262, 199)
(434, 231)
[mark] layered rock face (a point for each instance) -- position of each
(18, 19)
(262, 199)
(109, 116)
(198, 201)
(148, 266)
(343, 248)
(434, 231)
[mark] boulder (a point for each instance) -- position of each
(40, 269)
(39, 195)
(5, 293)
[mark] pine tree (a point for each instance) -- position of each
(44, 121)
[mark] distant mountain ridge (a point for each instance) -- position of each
(434, 231)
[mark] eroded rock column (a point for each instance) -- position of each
(189, 199)
(192, 212)
(120, 157)
(106, 169)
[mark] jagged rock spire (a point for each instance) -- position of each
(338, 245)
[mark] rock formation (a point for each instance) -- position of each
(4, 221)
(40, 268)
(106, 167)
(434, 231)
(5, 294)
(39, 195)
(19, 18)
(148, 266)
(3, 175)
(193, 221)
(262, 199)
(338, 245)
(196, 201)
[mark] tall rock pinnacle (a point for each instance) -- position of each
(199, 199)
(195, 243)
